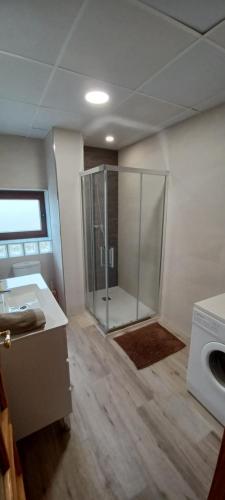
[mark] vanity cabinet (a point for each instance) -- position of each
(36, 375)
(36, 371)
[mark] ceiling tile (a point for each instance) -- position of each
(15, 117)
(148, 110)
(212, 102)
(188, 113)
(123, 42)
(67, 92)
(21, 79)
(201, 16)
(36, 29)
(125, 132)
(47, 118)
(125, 138)
(218, 34)
(196, 76)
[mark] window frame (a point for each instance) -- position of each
(6, 194)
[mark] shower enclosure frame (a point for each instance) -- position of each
(105, 169)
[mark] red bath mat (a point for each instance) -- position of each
(149, 344)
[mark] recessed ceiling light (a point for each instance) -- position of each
(109, 138)
(97, 97)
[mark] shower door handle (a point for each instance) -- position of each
(111, 257)
(102, 256)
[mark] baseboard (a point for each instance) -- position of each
(179, 333)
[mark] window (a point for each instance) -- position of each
(22, 215)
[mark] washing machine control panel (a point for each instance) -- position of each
(208, 322)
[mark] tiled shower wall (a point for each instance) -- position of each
(92, 158)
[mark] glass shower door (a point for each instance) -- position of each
(95, 244)
(100, 260)
(123, 306)
(88, 239)
(150, 245)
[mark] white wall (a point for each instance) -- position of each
(22, 166)
(69, 162)
(22, 163)
(194, 152)
(55, 220)
(32, 164)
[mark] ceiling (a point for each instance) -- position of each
(161, 61)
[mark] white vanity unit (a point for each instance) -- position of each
(35, 368)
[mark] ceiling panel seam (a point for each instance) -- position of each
(167, 65)
(165, 17)
(62, 50)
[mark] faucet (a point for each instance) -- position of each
(7, 339)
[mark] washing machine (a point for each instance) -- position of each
(206, 365)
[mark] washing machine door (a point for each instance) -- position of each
(213, 362)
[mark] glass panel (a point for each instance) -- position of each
(151, 229)
(31, 248)
(99, 247)
(45, 246)
(15, 250)
(88, 240)
(3, 252)
(123, 293)
(20, 216)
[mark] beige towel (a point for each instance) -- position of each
(22, 321)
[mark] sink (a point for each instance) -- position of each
(19, 299)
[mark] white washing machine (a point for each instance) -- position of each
(206, 365)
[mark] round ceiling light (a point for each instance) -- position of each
(109, 138)
(97, 97)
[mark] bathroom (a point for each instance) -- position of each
(112, 118)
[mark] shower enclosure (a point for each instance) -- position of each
(123, 219)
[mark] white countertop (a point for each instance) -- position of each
(43, 298)
(215, 306)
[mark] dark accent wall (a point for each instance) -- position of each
(92, 158)
(99, 156)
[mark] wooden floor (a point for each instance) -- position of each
(135, 434)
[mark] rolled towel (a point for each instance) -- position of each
(22, 321)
